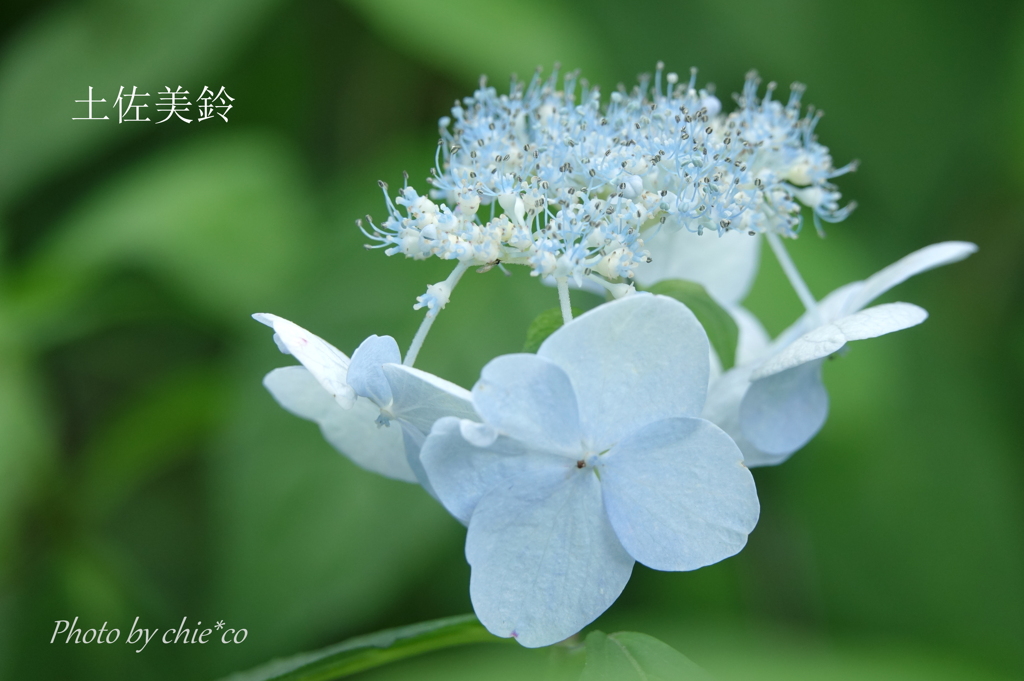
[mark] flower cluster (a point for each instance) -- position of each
(620, 440)
(580, 184)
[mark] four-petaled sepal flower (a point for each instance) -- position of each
(591, 455)
(774, 404)
(355, 401)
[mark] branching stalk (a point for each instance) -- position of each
(443, 290)
(792, 273)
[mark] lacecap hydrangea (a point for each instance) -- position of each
(625, 436)
(550, 177)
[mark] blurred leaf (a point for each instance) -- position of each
(373, 650)
(26, 441)
(105, 45)
(328, 547)
(766, 650)
(222, 220)
(154, 433)
(628, 656)
(545, 324)
(718, 324)
(459, 36)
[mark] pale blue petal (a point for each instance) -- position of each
(632, 361)
(353, 432)
(826, 339)
(327, 364)
(725, 264)
(545, 560)
(723, 409)
(413, 439)
(421, 398)
(814, 345)
(828, 309)
(365, 374)
(752, 341)
(781, 413)
(917, 262)
(530, 399)
(678, 494)
(461, 472)
(880, 320)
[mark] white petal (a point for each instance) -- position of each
(829, 309)
(917, 262)
(353, 432)
(545, 560)
(823, 341)
(421, 398)
(530, 399)
(632, 361)
(725, 265)
(327, 364)
(461, 472)
(781, 413)
(753, 340)
(678, 494)
(723, 409)
(818, 343)
(364, 371)
(880, 320)
(413, 439)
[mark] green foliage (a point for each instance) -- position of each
(624, 656)
(718, 324)
(222, 221)
(77, 45)
(545, 324)
(544, 35)
(365, 652)
(629, 656)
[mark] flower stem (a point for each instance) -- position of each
(448, 286)
(792, 273)
(563, 299)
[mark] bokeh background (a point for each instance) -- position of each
(145, 472)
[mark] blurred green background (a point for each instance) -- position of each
(145, 472)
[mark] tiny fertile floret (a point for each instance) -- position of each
(551, 177)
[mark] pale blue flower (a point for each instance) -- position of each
(355, 401)
(774, 402)
(591, 456)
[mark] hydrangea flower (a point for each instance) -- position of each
(775, 402)
(355, 401)
(591, 456)
(724, 264)
(577, 189)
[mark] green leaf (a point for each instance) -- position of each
(155, 432)
(326, 545)
(27, 443)
(544, 34)
(629, 656)
(545, 324)
(73, 46)
(373, 650)
(222, 221)
(718, 324)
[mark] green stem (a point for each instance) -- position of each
(448, 285)
(366, 652)
(795, 280)
(563, 299)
